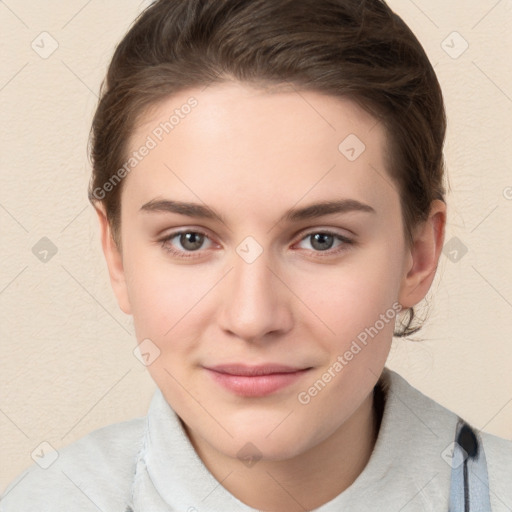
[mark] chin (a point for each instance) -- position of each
(257, 442)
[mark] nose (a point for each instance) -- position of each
(256, 303)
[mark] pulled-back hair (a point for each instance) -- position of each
(355, 49)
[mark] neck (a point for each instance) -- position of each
(308, 480)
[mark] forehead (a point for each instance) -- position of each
(241, 143)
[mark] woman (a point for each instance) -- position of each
(268, 179)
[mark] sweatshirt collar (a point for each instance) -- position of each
(170, 476)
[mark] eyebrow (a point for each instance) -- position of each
(292, 215)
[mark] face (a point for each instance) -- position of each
(253, 274)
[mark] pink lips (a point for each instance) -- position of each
(252, 381)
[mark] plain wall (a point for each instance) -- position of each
(67, 365)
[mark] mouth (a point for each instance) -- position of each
(254, 381)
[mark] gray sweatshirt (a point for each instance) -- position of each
(148, 464)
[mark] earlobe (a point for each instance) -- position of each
(423, 256)
(114, 260)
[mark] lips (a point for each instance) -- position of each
(255, 381)
(246, 370)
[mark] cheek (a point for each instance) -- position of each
(167, 300)
(351, 296)
(155, 290)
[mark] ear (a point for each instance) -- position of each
(114, 259)
(423, 256)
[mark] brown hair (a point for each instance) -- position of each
(357, 49)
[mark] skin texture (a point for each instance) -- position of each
(251, 154)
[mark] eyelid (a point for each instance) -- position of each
(331, 231)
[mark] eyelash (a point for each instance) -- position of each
(347, 242)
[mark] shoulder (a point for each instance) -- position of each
(410, 401)
(423, 406)
(92, 473)
(441, 421)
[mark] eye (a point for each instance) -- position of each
(323, 241)
(190, 241)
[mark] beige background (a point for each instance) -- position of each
(67, 365)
